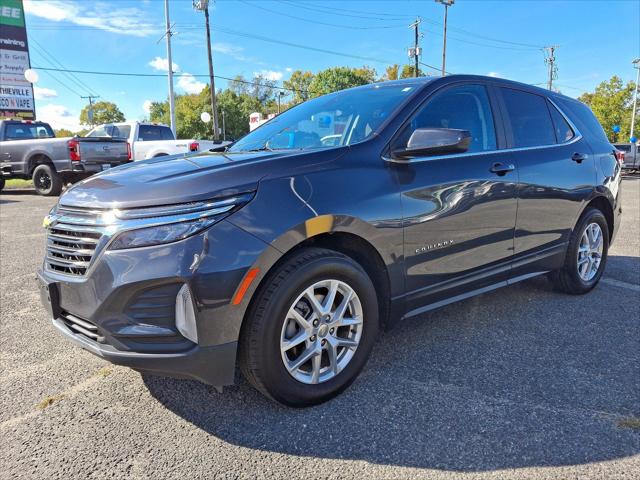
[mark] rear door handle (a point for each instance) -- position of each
(578, 157)
(502, 168)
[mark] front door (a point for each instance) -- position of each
(459, 210)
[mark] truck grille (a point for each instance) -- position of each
(70, 248)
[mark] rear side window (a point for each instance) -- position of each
(148, 133)
(564, 132)
(584, 119)
(465, 107)
(530, 120)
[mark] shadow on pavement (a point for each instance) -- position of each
(521, 377)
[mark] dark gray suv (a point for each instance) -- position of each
(285, 254)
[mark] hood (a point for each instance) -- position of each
(179, 179)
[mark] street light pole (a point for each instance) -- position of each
(636, 64)
(172, 107)
(203, 5)
(447, 4)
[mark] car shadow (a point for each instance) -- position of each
(520, 377)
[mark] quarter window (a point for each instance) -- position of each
(564, 132)
(531, 124)
(466, 107)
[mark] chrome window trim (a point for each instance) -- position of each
(577, 136)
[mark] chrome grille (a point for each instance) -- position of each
(71, 245)
(83, 327)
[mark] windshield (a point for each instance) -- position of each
(117, 131)
(27, 131)
(337, 119)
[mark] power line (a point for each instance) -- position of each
(156, 75)
(350, 27)
(340, 12)
(49, 58)
(53, 77)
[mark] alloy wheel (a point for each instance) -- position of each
(321, 331)
(590, 252)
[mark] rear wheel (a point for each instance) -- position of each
(586, 255)
(311, 328)
(1, 183)
(47, 181)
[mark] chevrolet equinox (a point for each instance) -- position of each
(286, 253)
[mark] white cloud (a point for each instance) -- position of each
(494, 74)
(162, 65)
(189, 84)
(146, 106)
(40, 93)
(269, 75)
(59, 116)
(289, 69)
(100, 15)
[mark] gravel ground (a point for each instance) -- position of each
(518, 383)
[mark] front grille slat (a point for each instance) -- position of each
(71, 247)
(83, 327)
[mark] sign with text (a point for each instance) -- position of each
(16, 93)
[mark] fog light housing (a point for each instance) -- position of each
(186, 315)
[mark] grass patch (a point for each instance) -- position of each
(18, 183)
(105, 371)
(630, 422)
(48, 401)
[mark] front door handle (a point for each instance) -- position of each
(578, 157)
(501, 169)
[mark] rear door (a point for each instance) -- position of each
(556, 177)
(460, 209)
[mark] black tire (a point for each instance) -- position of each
(259, 354)
(1, 183)
(567, 279)
(47, 181)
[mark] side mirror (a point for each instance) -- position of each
(434, 141)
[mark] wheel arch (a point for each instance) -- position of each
(603, 204)
(36, 159)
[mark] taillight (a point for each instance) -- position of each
(194, 146)
(128, 151)
(74, 150)
(619, 156)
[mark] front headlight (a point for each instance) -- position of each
(143, 227)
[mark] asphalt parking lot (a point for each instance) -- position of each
(522, 382)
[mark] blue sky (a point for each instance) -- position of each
(596, 39)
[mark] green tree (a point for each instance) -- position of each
(391, 72)
(299, 83)
(408, 71)
(103, 112)
(339, 78)
(612, 104)
(63, 132)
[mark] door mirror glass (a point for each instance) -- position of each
(434, 141)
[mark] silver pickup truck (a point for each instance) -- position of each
(31, 150)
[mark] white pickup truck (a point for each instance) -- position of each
(150, 140)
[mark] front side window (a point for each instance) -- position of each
(115, 131)
(465, 108)
(530, 120)
(337, 119)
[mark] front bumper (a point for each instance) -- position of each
(127, 300)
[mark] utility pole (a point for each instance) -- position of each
(91, 98)
(447, 4)
(203, 5)
(168, 33)
(415, 51)
(550, 62)
(636, 65)
(280, 94)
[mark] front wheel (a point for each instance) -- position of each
(47, 181)
(311, 328)
(586, 255)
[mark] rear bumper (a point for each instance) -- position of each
(212, 365)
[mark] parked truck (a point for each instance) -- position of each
(631, 158)
(30, 150)
(150, 140)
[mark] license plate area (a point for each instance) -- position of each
(106, 166)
